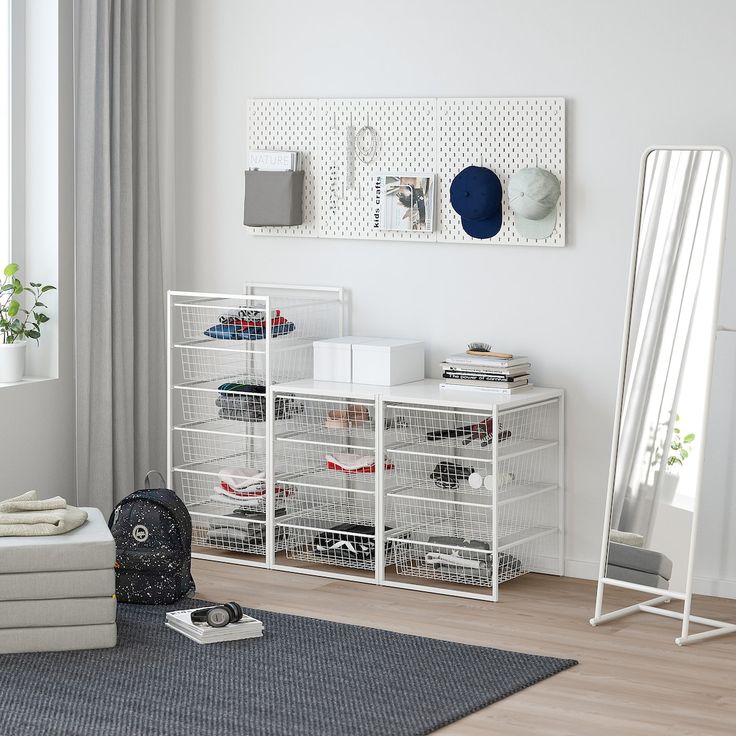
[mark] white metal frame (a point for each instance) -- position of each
(265, 301)
(717, 628)
(318, 391)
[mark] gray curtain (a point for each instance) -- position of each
(120, 305)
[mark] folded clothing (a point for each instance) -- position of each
(352, 462)
(449, 475)
(347, 540)
(28, 516)
(353, 415)
(29, 501)
(233, 331)
(238, 481)
(254, 498)
(247, 403)
(248, 314)
(475, 556)
(249, 513)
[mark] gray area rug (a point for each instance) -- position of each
(306, 677)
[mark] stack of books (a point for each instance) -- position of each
(181, 621)
(500, 375)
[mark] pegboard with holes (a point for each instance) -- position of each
(290, 125)
(422, 135)
(504, 134)
(406, 143)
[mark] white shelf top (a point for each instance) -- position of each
(426, 391)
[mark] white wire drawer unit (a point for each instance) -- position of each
(225, 352)
(410, 486)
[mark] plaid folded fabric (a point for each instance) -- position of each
(233, 331)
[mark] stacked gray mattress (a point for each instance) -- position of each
(58, 593)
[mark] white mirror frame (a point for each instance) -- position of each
(716, 628)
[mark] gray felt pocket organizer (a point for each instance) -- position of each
(273, 198)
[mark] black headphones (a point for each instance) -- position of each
(218, 616)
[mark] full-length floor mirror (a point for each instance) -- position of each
(664, 388)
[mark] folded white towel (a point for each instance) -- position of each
(27, 516)
(29, 502)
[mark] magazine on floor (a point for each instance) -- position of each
(181, 621)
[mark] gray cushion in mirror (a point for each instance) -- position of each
(636, 558)
(637, 577)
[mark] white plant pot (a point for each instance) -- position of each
(12, 362)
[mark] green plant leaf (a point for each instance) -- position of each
(689, 438)
(684, 454)
(46, 288)
(13, 308)
(11, 268)
(33, 334)
(41, 317)
(677, 430)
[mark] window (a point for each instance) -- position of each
(4, 132)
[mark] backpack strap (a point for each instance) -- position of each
(173, 504)
(147, 481)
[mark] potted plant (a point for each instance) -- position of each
(18, 324)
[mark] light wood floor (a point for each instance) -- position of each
(631, 679)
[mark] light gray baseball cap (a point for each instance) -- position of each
(533, 195)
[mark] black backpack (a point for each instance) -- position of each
(153, 538)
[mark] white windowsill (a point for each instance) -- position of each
(27, 380)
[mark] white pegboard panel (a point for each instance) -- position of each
(290, 125)
(421, 135)
(406, 143)
(504, 134)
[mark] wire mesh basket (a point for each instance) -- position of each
(243, 320)
(204, 493)
(214, 365)
(230, 408)
(460, 515)
(336, 505)
(426, 556)
(330, 544)
(246, 537)
(336, 422)
(532, 469)
(445, 431)
(219, 451)
(351, 468)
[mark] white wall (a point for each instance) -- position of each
(37, 448)
(633, 74)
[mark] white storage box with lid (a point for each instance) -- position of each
(333, 358)
(388, 361)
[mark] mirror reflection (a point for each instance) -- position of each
(663, 413)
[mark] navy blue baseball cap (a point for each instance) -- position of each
(475, 194)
